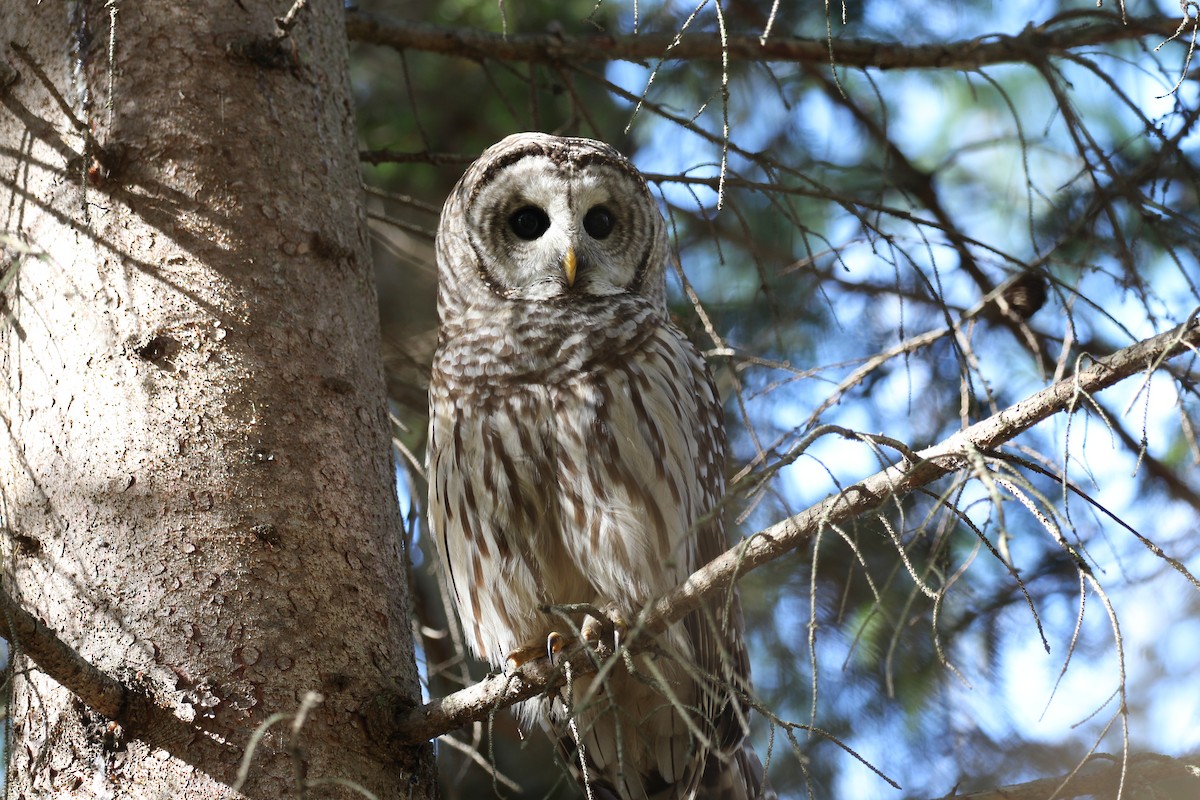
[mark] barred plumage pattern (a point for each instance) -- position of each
(576, 450)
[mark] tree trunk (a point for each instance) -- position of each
(197, 493)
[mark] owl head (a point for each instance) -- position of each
(542, 219)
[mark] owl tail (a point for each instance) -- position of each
(625, 738)
(737, 777)
(735, 774)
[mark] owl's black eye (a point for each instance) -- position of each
(529, 222)
(599, 222)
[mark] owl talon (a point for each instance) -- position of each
(609, 626)
(555, 642)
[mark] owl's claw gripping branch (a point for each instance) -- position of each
(555, 643)
(602, 629)
(529, 652)
(605, 626)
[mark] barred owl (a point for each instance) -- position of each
(576, 454)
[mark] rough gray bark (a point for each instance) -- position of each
(197, 494)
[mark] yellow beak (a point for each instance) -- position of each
(568, 266)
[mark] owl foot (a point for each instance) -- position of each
(554, 644)
(604, 627)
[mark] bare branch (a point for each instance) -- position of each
(135, 709)
(1034, 43)
(33, 638)
(916, 470)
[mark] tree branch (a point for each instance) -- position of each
(1032, 44)
(498, 691)
(134, 709)
(56, 658)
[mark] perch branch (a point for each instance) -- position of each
(498, 691)
(1034, 43)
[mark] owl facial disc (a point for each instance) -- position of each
(554, 219)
